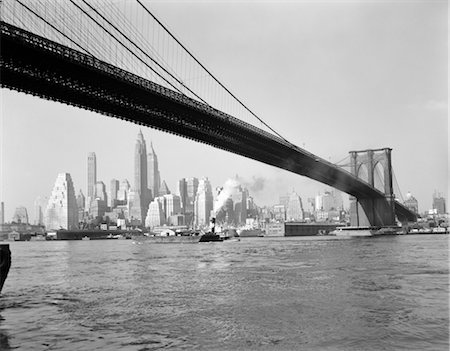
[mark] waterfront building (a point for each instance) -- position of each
(411, 203)
(294, 210)
(279, 212)
(155, 214)
(439, 203)
(92, 178)
(154, 177)
(113, 191)
(204, 203)
(142, 195)
(61, 211)
(122, 194)
(20, 215)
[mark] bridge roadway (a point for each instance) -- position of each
(38, 66)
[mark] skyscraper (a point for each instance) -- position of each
(124, 188)
(141, 193)
(154, 178)
(39, 208)
(61, 211)
(294, 211)
(155, 214)
(92, 178)
(439, 203)
(204, 203)
(113, 191)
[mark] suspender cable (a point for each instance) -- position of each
(136, 46)
(210, 74)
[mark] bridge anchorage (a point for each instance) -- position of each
(375, 167)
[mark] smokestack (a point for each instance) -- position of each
(213, 225)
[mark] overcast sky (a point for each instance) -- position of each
(330, 76)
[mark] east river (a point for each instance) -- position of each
(318, 293)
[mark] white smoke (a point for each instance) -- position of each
(229, 188)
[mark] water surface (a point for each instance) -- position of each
(317, 293)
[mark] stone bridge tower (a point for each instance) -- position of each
(368, 211)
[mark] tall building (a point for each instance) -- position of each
(81, 205)
(439, 203)
(163, 189)
(142, 195)
(154, 178)
(124, 188)
(113, 191)
(172, 205)
(155, 214)
(204, 203)
(192, 188)
(100, 192)
(239, 197)
(92, 178)
(294, 210)
(39, 208)
(411, 203)
(21, 215)
(61, 211)
(181, 191)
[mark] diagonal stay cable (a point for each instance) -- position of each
(136, 46)
(210, 74)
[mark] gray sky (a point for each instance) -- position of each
(330, 76)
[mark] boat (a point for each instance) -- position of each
(211, 236)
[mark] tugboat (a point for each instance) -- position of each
(211, 236)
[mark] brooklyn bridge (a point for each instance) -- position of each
(100, 58)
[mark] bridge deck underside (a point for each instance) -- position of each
(40, 67)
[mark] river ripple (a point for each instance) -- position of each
(319, 293)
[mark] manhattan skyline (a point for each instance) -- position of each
(347, 76)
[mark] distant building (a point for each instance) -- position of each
(204, 203)
(122, 194)
(62, 211)
(92, 178)
(155, 215)
(154, 177)
(411, 203)
(100, 192)
(20, 215)
(39, 208)
(172, 206)
(113, 191)
(2, 212)
(187, 190)
(163, 189)
(439, 203)
(294, 211)
(239, 197)
(98, 208)
(279, 212)
(142, 195)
